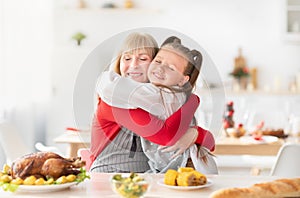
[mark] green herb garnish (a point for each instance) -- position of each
(82, 176)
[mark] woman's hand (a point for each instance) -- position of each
(187, 140)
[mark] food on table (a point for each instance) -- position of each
(45, 165)
(260, 131)
(192, 178)
(184, 176)
(274, 132)
(39, 181)
(277, 188)
(17, 181)
(258, 137)
(42, 168)
(241, 130)
(29, 180)
(132, 186)
(237, 132)
(170, 177)
(185, 169)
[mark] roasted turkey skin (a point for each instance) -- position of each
(45, 165)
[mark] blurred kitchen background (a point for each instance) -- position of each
(40, 59)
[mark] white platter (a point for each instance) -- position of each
(161, 183)
(44, 188)
(264, 140)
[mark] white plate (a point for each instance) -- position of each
(44, 188)
(161, 183)
(265, 139)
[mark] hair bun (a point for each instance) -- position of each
(171, 39)
(197, 58)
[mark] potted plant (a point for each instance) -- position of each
(79, 37)
(240, 72)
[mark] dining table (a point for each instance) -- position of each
(99, 186)
(248, 146)
(75, 140)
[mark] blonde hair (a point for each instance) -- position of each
(134, 42)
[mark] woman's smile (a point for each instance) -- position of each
(134, 74)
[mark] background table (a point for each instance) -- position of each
(234, 146)
(224, 145)
(76, 140)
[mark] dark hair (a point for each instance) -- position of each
(194, 58)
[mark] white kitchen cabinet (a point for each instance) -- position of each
(292, 20)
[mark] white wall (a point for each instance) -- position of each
(220, 27)
(25, 61)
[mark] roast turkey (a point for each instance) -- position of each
(45, 165)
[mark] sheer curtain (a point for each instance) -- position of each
(25, 59)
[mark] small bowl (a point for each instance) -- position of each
(129, 186)
(235, 133)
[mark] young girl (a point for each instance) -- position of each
(112, 144)
(173, 74)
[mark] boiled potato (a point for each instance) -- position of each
(17, 181)
(40, 181)
(5, 178)
(49, 181)
(6, 169)
(71, 178)
(29, 180)
(62, 180)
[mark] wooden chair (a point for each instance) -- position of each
(41, 147)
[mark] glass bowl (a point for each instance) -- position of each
(130, 185)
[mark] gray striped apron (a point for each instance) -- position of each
(124, 154)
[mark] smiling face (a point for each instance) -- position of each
(135, 64)
(167, 69)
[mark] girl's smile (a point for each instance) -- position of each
(167, 68)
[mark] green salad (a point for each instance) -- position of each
(132, 186)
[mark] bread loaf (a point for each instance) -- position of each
(272, 189)
(278, 133)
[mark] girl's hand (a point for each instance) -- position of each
(187, 140)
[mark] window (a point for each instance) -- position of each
(25, 50)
